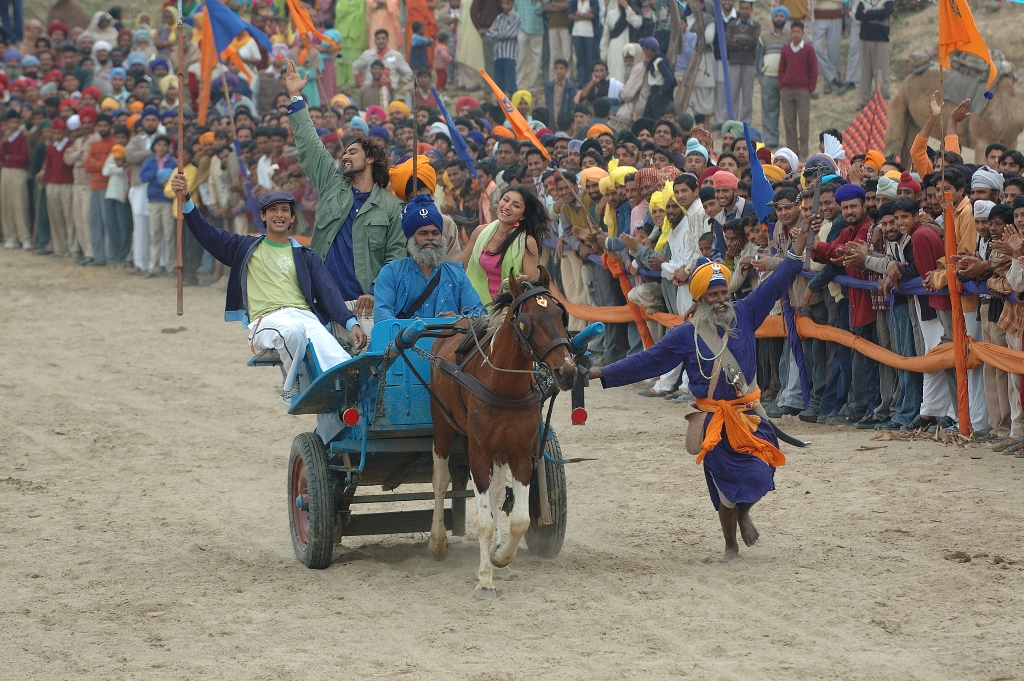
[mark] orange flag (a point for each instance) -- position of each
(207, 62)
(304, 25)
(957, 31)
(515, 119)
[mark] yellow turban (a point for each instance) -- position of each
(402, 174)
(874, 159)
(398, 106)
(593, 174)
(520, 95)
(167, 82)
(109, 104)
(668, 194)
(208, 138)
(659, 199)
(773, 173)
(618, 176)
(707, 275)
(340, 101)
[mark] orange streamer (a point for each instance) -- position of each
(639, 315)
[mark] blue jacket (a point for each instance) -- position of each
(401, 282)
(234, 250)
(148, 172)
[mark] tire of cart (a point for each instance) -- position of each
(311, 509)
(546, 541)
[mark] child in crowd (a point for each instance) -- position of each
(442, 60)
(418, 52)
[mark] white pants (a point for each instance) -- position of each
(531, 47)
(937, 400)
(976, 377)
(559, 47)
(140, 233)
(853, 54)
(287, 330)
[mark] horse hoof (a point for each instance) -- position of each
(482, 594)
(439, 552)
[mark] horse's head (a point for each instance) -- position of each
(540, 323)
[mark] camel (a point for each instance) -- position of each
(1002, 120)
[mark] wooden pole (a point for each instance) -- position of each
(955, 290)
(685, 90)
(181, 148)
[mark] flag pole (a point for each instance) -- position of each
(181, 148)
(953, 284)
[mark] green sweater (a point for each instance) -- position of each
(377, 235)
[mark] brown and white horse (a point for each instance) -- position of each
(500, 439)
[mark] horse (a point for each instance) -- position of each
(502, 428)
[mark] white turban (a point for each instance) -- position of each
(74, 123)
(986, 178)
(982, 209)
(787, 153)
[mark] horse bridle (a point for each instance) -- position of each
(524, 326)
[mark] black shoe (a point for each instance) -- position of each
(44, 251)
(846, 87)
(920, 423)
(889, 425)
(814, 95)
(868, 422)
(778, 411)
(86, 261)
(827, 89)
(809, 415)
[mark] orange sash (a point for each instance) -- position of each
(740, 427)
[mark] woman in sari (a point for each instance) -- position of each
(350, 21)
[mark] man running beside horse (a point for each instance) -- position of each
(728, 430)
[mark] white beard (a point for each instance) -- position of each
(425, 257)
(726, 321)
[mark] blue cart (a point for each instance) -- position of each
(374, 427)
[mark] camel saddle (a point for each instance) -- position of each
(967, 78)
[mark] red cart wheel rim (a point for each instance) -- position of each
(300, 518)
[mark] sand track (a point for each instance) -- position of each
(143, 533)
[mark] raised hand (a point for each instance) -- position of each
(961, 112)
(934, 106)
(293, 82)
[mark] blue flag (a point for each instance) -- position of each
(226, 25)
(458, 143)
(760, 189)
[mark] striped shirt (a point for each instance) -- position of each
(505, 32)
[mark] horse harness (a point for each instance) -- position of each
(474, 342)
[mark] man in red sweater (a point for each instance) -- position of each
(58, 177)
(864, 388)
(798, 76)
(14, 182)
(98, 152)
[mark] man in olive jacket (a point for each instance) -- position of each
(358, 222)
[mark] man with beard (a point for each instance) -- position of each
(727, 427)
(423, 284)
(358, 222)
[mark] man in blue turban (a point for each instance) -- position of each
(423, 284)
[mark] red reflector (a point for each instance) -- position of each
(350, 417)
(579, 416)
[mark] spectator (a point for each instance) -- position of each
(585, 29)
(531, 42)
(873, 16)
(504, 31)
(798, 77)
(742, 41)
(559, 92)
(156, 171)
(771, 53)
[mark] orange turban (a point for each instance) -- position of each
(401, 175)
(117, 151)
(135, 107)
(773, 173)
(707, 274)
(208, 138)
(502, 131)
(598, 129)
(593, 174)
(132, 120)
(874, 159)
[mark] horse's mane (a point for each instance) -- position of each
(501, 303)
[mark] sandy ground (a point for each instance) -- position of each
(144, 535)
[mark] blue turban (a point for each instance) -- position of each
(159, 61)
(693, 146)
(476, 136)
(118, 71)
(849, 192)
(134, 58)
(151, 111)
(487, 124)
(358, 122)
(379, 131)
(576, 145)
(30, 60)
(779, 10)
(419, 212)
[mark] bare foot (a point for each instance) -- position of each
(747, 530)
(731, 553)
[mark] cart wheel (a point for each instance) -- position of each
(546, 541)
(310, 502)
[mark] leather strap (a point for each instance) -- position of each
(415, 305)
(482, 392)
